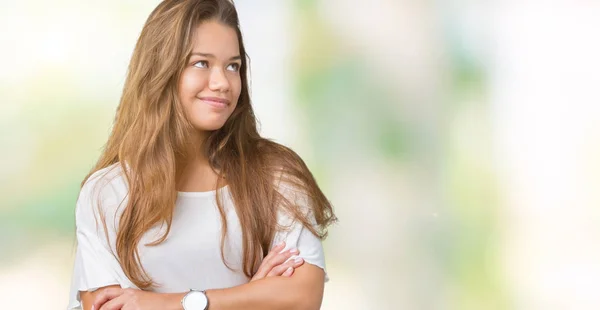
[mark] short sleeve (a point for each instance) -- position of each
(297, 236)
(95, 265)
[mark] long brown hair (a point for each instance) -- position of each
(151, 137)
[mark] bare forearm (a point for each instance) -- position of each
(272, 294)
(302, 291)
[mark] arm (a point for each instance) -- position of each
(304, 290)
(87, 298)
(278, 284)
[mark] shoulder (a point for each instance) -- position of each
(287, 169)
(104, 190)
(298, 197)
(278, 155)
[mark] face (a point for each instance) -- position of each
(210, 84)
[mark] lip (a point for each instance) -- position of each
(216, 102)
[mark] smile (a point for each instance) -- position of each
(216, 102)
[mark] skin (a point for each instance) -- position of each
(212, 72)
(114, 297)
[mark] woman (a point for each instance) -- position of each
(188, 207)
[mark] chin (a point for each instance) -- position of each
(209, 127)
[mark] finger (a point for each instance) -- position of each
(277, 271)
(106, 295)
(275, 250)
(298, 261)
(278, 247)
(275, 261)
(114, 304)
(282, 257)
(267, 263)
(288, 272)
(281, 269)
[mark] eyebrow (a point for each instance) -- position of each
(213, 56)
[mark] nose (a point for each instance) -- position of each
(218, 81)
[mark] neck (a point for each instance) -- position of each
(194, 170)
(197, 176)
(196, 155)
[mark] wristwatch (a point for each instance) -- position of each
(195, 300)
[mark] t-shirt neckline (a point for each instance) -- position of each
(201, 194)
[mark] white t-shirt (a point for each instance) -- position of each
(190, 257)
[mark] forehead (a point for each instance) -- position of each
(215, 38)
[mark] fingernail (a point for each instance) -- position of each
(288, 270)
(294, 251)
(281, 243)
(92, 307)
(298, 260)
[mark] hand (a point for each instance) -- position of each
(274, 264)
(133, 299)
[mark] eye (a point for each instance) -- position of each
(235, 67)
(201, 64)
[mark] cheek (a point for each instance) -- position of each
(189, 86)
(236, 88)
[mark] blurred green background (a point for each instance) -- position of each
(459, 141)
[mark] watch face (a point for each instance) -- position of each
(195, 300)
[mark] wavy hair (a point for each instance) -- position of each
(151, 136)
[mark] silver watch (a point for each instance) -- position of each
(195, 300)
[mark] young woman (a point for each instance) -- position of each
(188, 207)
